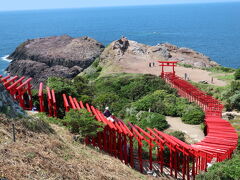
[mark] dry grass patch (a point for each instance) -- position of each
(37, 155)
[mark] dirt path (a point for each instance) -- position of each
(193, 131)
(130, 64)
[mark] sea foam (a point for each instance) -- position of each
(4, 58)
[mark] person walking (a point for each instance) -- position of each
(108, 114)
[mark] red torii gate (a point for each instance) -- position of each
(23, 89)
(169, 64)
(10, 82)
(5, 79)
(51, 101)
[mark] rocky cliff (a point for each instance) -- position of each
(132, 57)
(9, 106)
(61, 56)
(131, 51)
(64, 56)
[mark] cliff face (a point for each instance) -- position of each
(61, 56)
(7, 105)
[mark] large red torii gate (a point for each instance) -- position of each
(168, 64)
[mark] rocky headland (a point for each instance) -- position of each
(64, 56)
(61, 56)
(123, 55)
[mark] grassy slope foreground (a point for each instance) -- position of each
(49, 152)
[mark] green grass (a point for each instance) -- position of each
(186, 65)
(220, 69)
(226, 77)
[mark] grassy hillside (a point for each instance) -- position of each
(43, 151)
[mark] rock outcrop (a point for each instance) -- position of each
(8, 105)
(136, 52)
(61, 56)
(189, 56)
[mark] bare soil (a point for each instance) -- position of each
(193, 132)
(131, 64)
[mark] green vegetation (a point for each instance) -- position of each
(226, 77)
(144, 100)
(229, 95)
(149, 119)
(93, 71)
(119, 91)
(170, 105)
(193, 115)
(237, 74)
(178, 134)
(227, 170)
(82, 123)
(186, 65)
(34, 124)
(220, 69)
(37, 125)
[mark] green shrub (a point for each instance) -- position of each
(170, 103)
(220, 69)
(162, 102)
(235, 100)
(151, 120)
(193, 115)
(131, 86)
(180, 106)
(78, 87)
(226, 170)
(178, 134)
(237, 74)
(105, 99)
(118, 91)
(234, 86)
(61, 85)
(82, 122)
(186, 65)
(153, 101)
(231, 96)
(82, 86)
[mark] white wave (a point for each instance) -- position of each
(4, 58)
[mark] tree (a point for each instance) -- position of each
(83, 123)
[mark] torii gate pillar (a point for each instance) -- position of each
(167, 63)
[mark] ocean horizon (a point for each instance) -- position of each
(212, 29)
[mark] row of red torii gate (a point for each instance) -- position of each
(150, 150)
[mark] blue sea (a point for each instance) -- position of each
(212, 29)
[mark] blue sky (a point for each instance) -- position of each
(6, 5)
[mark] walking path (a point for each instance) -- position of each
(193, 131)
